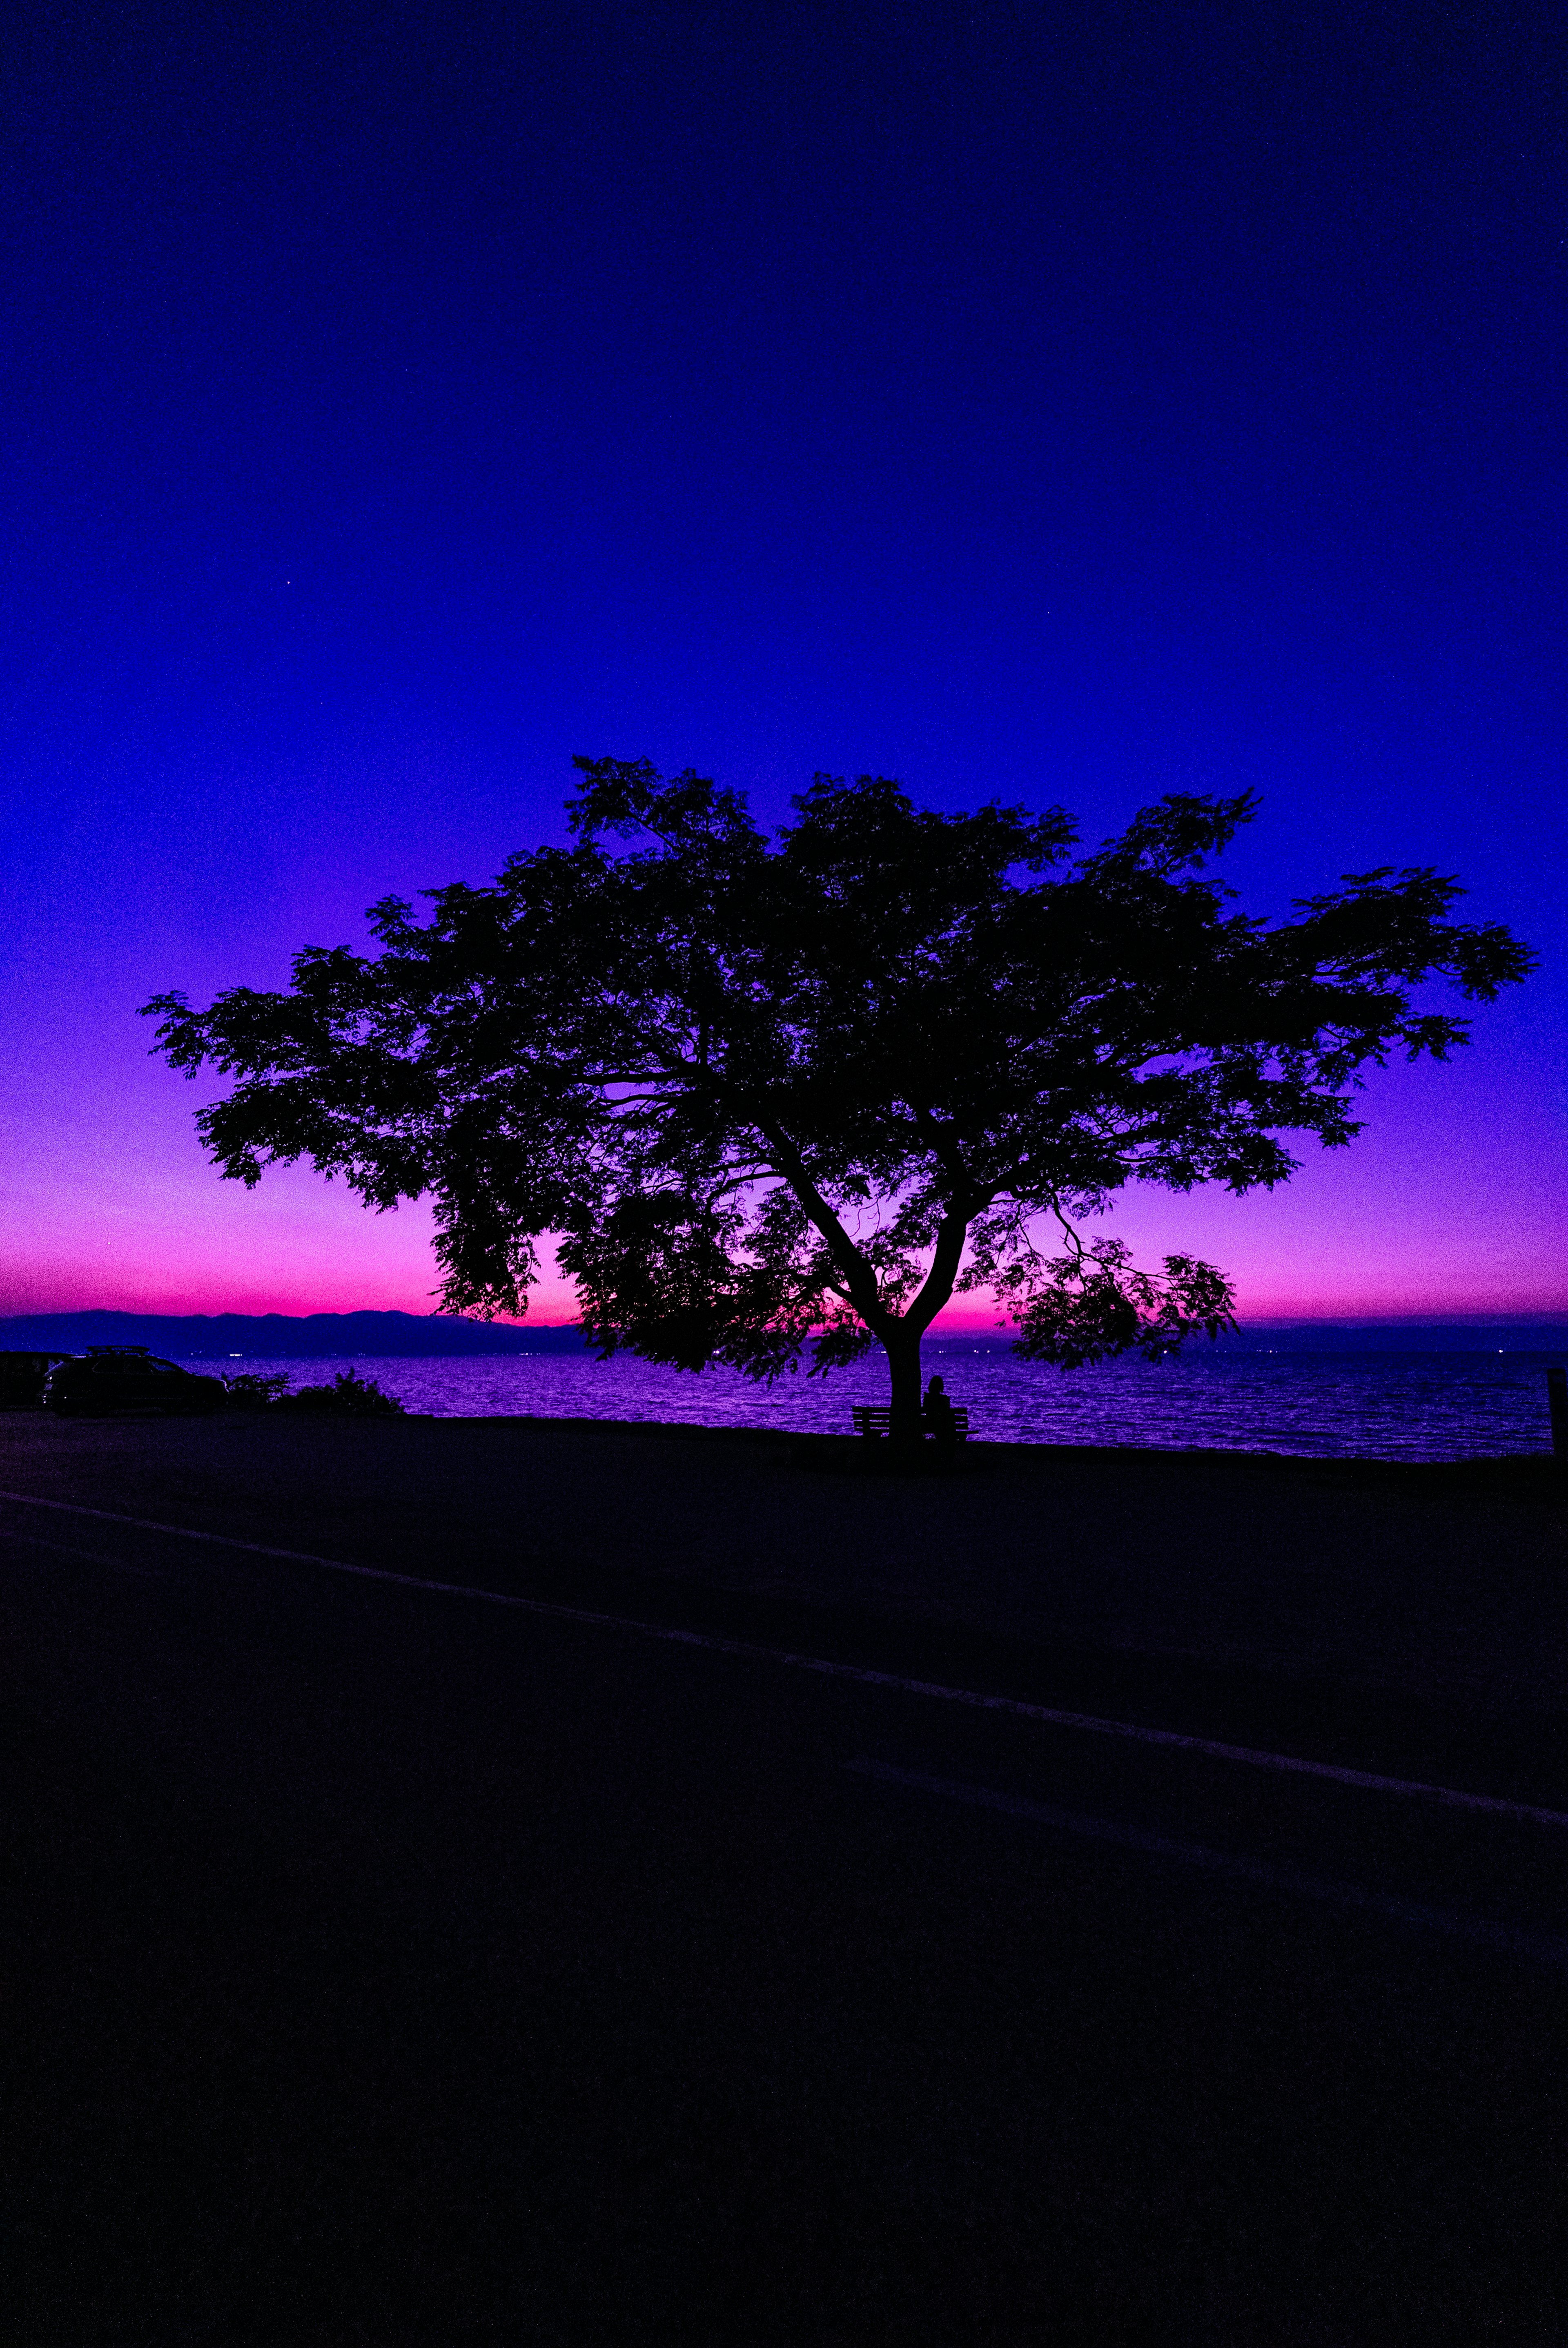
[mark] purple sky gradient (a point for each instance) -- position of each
(1018, 408)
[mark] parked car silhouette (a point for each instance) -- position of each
(128, 1377)
(22, 1377)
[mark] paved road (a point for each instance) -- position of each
(396, 1967)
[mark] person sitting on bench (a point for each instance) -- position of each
(938, 1414)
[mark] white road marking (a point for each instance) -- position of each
(1250, 1757)
(1510, 1937)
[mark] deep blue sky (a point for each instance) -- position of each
(1064, 405)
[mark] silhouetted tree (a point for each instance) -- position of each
(814, 1086)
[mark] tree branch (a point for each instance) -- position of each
(937, 1286)
(942, 1146)
(859, 1278)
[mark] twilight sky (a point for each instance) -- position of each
(1062, 405)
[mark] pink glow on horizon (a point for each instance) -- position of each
(1448, 1205)
(51, 1283)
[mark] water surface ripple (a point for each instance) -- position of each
(1384, 1404)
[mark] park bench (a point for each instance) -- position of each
(874, 1419)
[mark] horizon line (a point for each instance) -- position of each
(1426, 1317)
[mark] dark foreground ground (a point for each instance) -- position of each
(391, 1966)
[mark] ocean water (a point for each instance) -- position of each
(1417, 1401)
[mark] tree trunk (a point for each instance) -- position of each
(904, 1370)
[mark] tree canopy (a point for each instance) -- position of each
(786, 1096)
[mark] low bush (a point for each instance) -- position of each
(348, 1393)
(255, 1389)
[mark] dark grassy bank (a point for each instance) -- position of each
(1408, 1609)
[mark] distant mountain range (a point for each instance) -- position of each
(282, 1336)
(279, 1336)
